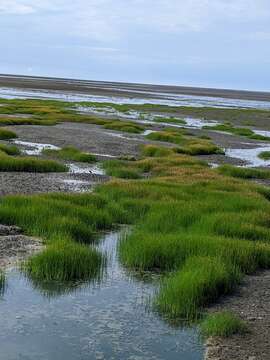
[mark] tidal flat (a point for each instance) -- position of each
(141, 236)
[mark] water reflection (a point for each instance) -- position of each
(106, 319)
(2, 283)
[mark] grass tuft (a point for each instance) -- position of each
(223, 324)
(65, 261)
(29, 164)
(7, 134)
(70, 153)
(265, 155)
(244, 173)
(201, 281)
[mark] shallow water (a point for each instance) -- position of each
(109, 320)
(86, 169)
(158, 98)
(147, 118)
(30, 148)
(250, 156)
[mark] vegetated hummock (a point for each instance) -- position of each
(170, 119)
(70, 153)
(265, 155)
(222, 324)
(199, 228)
(244, 173)
(6, 134)
(10, 149)
(125, 126)
(27, 164)
(65, 261)
(237, 131)
(188, 144)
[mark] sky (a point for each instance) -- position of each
(210, 43)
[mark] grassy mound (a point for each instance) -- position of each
(7, 134)
(29, 164)
(222, 324)
(198, 283)
(70, 153)
(9, 149)
(237, 131)
(125, 126)
(244, 173)
(189, 145)
(65, 261)
(265, 155)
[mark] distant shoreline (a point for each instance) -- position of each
(123, 89)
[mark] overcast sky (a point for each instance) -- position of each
(214, 43)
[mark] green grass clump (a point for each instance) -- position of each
(200, 147)
(188, 144)
(156, 151)
(265, 155)
(244, 173)
(70, 153)
(171, 120)
(9, 149)
(124, 126)
(122, 169)
(65, 261)
(7, 134)
(237, 131)
(223, 324)
(26, 121)
(29, 164)
(201, 281)
(175, 137)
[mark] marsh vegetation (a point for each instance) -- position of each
(199, 229)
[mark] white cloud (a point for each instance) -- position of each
(114, 19)
(15, 7)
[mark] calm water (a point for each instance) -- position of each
(110, 320)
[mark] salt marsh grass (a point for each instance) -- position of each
(70, 153)
(244, 173)
(28, 164)
(65, 261)
(222, 324)
(6, 134)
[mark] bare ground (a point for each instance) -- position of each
(251, 302)
(14, 246)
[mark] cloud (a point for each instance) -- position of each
(15, 7)
(112, 19)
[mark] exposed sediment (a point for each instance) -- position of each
(14, 246)
(251, 302)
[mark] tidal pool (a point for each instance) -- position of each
(109, 319)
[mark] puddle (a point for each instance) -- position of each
(249, 155)
(106, 320)
(35, 148)
(77, 185)
(81, 169)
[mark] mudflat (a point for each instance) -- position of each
(124, 89)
